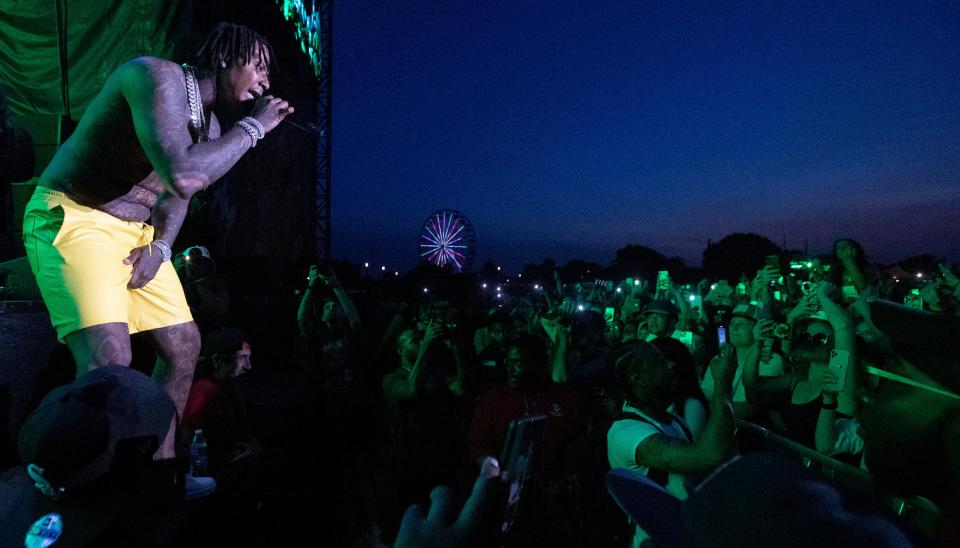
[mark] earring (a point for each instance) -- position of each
(223, 64)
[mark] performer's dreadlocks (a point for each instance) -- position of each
(230, 44)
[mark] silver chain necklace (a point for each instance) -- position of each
(527, 406)
(197, 120)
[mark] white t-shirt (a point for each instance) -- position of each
(622, 440)
(694, 414)
(771, 368)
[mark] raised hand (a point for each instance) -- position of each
(313, 275)
(720, 293)
(270, 111)
(771, 273)
(640, 286)
(806, 307)
(723, 366)
(761, 279)
(949, 278)
(430, 334)
(328, 278)
(762, 330)
(826, 291)
(443, 526)
(828, 378)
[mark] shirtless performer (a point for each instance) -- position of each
(99, 228)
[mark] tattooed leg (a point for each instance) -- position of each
(177, 348)
(100, 345)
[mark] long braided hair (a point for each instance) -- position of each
(230, 44)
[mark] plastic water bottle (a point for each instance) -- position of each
(198, 454)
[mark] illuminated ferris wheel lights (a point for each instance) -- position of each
(447, 238)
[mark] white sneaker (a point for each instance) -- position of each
(198, 487)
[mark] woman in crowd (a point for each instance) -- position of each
(826, 341)
(849, 269)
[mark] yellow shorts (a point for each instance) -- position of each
(77, 254)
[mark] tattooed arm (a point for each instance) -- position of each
(155, 92)
(661, 452)
(167, 218)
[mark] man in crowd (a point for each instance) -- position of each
(529, 391)
(99, 228)
(742, 321)
(215, 405)
(661, 320)
(587, 359)
(656, 443)
(329, 327)
(493, 340)
(423, 398)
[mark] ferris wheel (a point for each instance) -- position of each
(447, 238)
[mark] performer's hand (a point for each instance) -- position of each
(270, 110)
(146, 262)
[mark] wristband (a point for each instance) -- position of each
(164, 248)
(828, 406)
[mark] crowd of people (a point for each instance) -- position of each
(822, 401)
(399, 394)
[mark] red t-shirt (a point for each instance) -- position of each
(501, 404)
(213, 408)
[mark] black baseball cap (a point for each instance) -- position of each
(68, 443)
(225, 340)
(72, 434)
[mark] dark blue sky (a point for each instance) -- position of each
(570, 129)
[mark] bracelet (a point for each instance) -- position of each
(164, 248)
(828, 406)
(255, 123)
(251, 130)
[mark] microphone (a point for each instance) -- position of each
(310, 128)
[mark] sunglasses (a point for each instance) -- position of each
(883, 373)
(818, 339)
